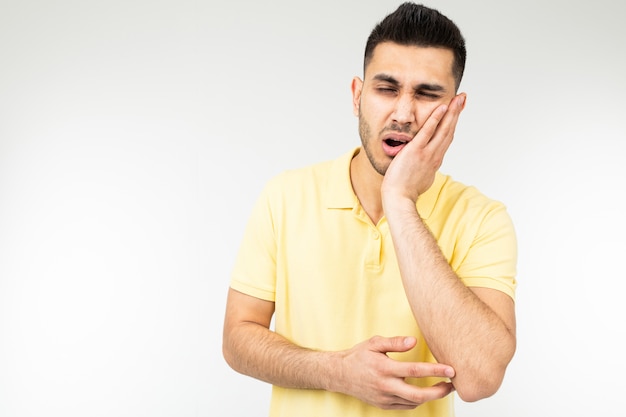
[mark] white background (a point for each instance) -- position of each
(135, 136)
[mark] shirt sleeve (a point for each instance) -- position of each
(491, 259)
(254, 271)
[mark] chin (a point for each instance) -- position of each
(381, 169)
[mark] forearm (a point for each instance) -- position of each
(363, 371)
(256, 351)
(460, 329)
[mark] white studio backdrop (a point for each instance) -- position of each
(135, 136)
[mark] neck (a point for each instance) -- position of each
(366, 183)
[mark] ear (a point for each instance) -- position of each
(357, 87)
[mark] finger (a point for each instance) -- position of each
(394, 402)
(444, 134)
(390, 401)
(398, 403)
(423, 370)
(442, 137)
(420, 395)
(427, 131)
(392, 344)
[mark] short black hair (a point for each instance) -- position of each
(417, 25)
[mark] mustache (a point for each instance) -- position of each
(395, 127)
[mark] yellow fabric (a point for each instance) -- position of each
(333, 275)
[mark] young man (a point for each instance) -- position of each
(391, 285)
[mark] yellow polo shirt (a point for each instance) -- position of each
(311, 249)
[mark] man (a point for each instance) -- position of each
(390, 284)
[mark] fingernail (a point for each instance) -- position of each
(449, 372)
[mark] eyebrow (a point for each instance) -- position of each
(417, 88)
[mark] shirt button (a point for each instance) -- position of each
(375, 235)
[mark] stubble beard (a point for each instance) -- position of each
(366, 138)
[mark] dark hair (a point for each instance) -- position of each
(418, 25)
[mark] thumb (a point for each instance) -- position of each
(392, 344)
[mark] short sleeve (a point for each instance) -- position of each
(254, 271)
(491, 261)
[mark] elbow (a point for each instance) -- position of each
(478, 388)
(232, 359)
(228, 353)
(482, 382)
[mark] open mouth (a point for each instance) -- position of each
(393, 143)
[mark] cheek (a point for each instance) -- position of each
(375, 112)
(425, 111)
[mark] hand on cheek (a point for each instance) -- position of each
(413, 170)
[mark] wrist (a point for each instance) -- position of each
(399, 206)
(334, 372)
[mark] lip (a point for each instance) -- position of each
(392, 151)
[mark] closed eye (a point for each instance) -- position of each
(428, 95)
(429, 91)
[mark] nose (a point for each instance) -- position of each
(404, 110)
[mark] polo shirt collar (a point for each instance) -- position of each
(340, 192)
(341, 195)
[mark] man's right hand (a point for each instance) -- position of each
(367, 373)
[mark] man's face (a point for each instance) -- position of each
(402, 86)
